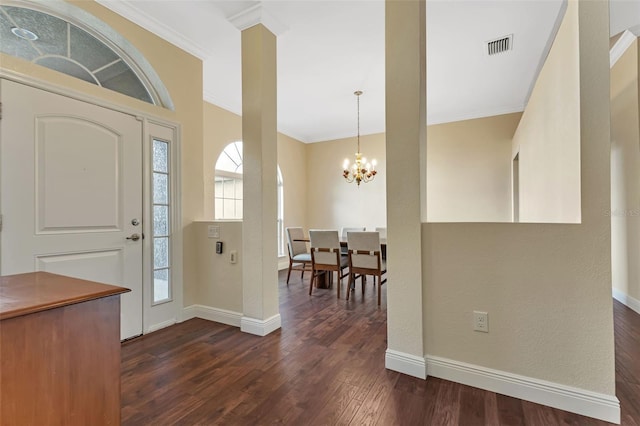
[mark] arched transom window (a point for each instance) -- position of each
(58, 44)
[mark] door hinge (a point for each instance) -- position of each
(0, 223)
(0, 110)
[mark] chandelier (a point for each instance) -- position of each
(360, 171)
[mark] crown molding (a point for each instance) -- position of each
(255, 15)
(624, 42)
(208, 96)
(135, 15)
(471, 115)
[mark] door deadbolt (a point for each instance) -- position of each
(135, 222)
(134, 237)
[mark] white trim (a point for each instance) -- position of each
(159, 326)
(255, 15)
(567, 398)
(260, 327)
(48, 86)
(547, 49)
(283, 262)
(624, 42)
(472, 115)
(408, 364)
(212, 314)
(210, 97)
(162, 30)
(628, 301)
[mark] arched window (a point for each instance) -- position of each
(228, 189)
(81, 46)
(280, 214)
(228, 184)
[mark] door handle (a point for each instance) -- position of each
(134, 237)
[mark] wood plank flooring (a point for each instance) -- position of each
(324, 367)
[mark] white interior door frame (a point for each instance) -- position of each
(159, 316)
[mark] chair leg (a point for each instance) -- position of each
(379, 288)
(364, 281)
(349, 284)
(339, 284)
(289, 273)
(313, 276)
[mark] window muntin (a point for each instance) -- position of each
(66, 48)
(161, 222)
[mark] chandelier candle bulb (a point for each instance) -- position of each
(361, 170)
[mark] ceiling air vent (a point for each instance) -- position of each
(500, 45)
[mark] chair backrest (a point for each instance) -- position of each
(365, 241)
(321, 239)
(382, 232)
(343, 233)
(296, 247)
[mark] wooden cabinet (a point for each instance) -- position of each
(59, 351)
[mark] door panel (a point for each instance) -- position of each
(71, 183)
(79, 178)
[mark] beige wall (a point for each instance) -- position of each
(548, 140)
(468, 176)
(184, 84)
(469, 170)
(625, 174)
(222, 127)
(220, 280)
(333, 203)
(218, 288)
(540, 283)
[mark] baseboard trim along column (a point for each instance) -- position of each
(628, 301)
(567, 398)
(404, 363)
(212, 314)
(260, 327)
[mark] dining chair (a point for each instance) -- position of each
(326, 256)
(365, 259)
(299, 257)
(343, 236)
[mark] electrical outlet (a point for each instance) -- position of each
(481, 321)
(233, 256)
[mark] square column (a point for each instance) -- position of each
(261, 313)
(406, 127)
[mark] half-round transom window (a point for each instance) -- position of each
(61, 46)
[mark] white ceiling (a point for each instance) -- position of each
(329, 49)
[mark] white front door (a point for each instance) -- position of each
(71, 192)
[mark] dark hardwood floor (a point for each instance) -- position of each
(324, 367)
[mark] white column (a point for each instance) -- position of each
(406, 182)
(261, 313)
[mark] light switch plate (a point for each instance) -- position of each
(214, 231)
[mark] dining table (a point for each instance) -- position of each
(325, 279)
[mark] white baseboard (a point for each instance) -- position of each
(260, 327)
(625, 299)
(567, 398)
(404, 363)
(159, 326)
(212, 314)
